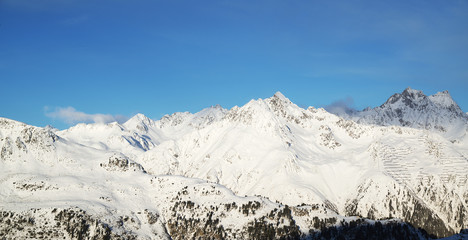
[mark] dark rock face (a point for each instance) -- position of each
(71, 223)
(29, 140)
(360, 229)
(404, 204)
(205, 222)
(279, 223)
(77, 224)
(196, 226)
(122, 163)
(424, 218)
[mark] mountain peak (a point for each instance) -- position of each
(412, 93)
(414, 109)
(443, 94)
(444, 100)
(217, 106)
(139, 116)
(409, 97)
(280, 96)
(139, 121)
(411, 90)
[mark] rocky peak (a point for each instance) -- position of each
(175, 119)
(412, 93)
(140, 122)
(217, 106)
(416, 99)
(414, 109)
(280, 96)
(279, 102)
(264, 111)
(444, 100)
(208, 116)
(213, 110)
(141, 118)
(279, 99)
(409, 97)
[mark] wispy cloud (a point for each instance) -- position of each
(342, 107)
(71, 116)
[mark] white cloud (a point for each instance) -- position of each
(71, 116)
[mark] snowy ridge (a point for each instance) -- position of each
(296, 168)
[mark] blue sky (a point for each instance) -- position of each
(64, 61)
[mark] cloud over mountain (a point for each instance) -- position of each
(71, 116)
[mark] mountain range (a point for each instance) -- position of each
(268, 169)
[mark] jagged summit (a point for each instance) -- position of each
(414, 98)
(413, 108)
(409, 97)
(444, 100)
(139, 117)
(280, 96)
(410, 91)
(4, 122)
(417, 99)
(217, 106)
(212, 109)
(266, 111)
(140, 122)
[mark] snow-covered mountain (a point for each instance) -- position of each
(414, 109)
(268, 169)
